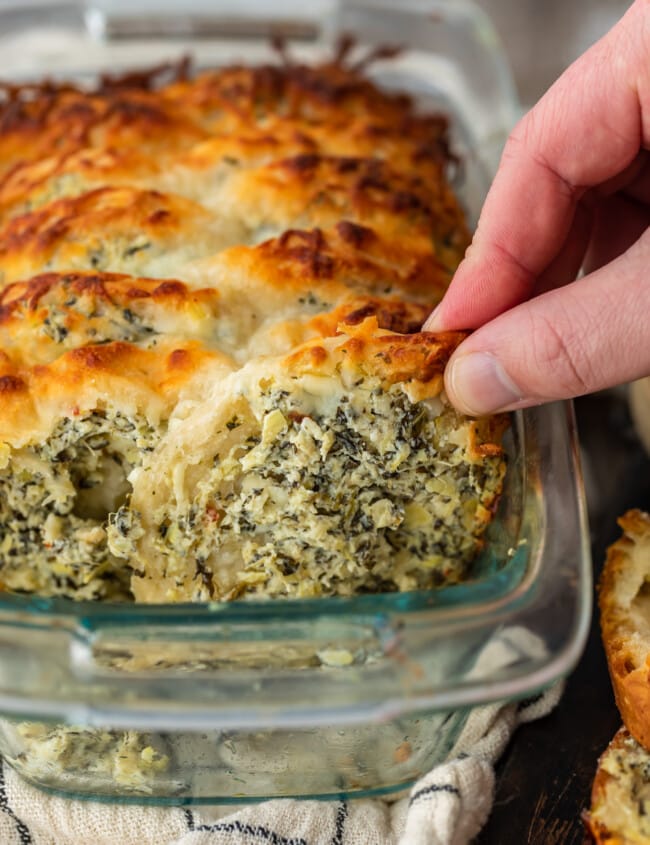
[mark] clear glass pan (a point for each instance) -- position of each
(334, 696)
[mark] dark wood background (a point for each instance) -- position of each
(544, 778)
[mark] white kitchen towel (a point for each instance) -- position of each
(446, 807)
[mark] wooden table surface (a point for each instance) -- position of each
(544, 779)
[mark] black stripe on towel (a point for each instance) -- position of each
(436, 787)
(21, 828)
(339, 823)
(259, 832)
(528, 702)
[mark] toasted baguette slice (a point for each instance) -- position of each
(620, 796)
(625, 622)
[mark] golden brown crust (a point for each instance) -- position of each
(55, 312)
(36, 120)
(598, 831)
(121, 288)
(116, 228)
(320, 190)
(122, 375)
(619, 794)
(623, 618)
(416, 360)
(394, 315)
(351, 255)
(58, 141)
(307, 93)
(31, 184)
(72, 340)
(147, 109)
(304, 272)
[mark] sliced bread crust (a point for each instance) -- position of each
(625, 622)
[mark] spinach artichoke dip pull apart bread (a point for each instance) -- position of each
(213, 382)
(620, 800)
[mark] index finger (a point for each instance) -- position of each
(586, 129)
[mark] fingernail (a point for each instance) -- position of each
(430, 324)
(480, 385)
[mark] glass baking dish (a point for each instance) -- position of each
(317, 697)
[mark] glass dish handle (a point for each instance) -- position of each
(238, 19)
(18, 18)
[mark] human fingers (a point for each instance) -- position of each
(619, 221)
(583, 337)
(607, 221)
(567, 263)
(587, 129)
(634, 181)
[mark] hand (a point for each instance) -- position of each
(572, 189)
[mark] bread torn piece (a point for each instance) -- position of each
(625, 622)
(71, 433)
(338, 469)
(620, 796)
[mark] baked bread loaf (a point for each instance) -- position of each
(620, 797)
(620, 800)
(212, 380)
(625, 622)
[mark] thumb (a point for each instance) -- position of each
(591, 334)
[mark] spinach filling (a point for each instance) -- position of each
(55, 502)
